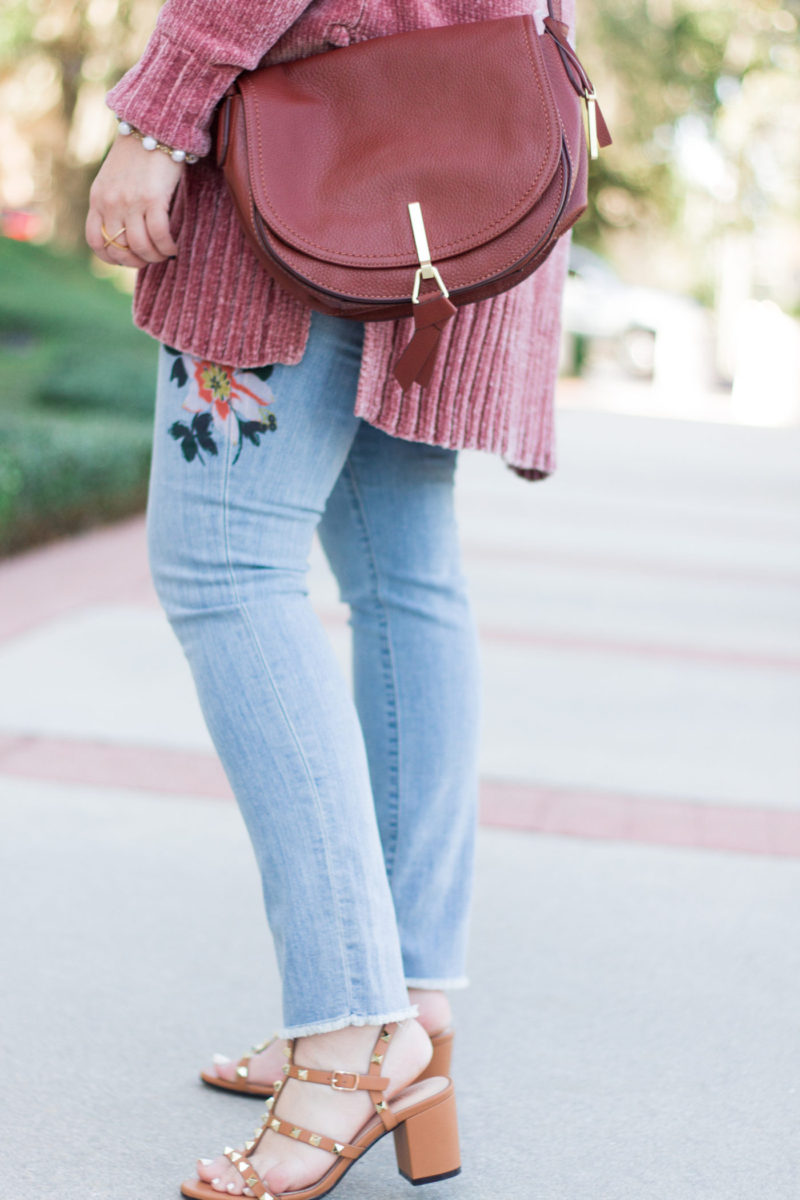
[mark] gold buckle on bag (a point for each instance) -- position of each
(426, 269)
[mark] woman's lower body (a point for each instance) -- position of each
(361, 814)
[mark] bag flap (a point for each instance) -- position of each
(460, 118)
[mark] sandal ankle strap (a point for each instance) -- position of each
(351, 1081)
(340, 1081)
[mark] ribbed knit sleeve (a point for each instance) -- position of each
(197, 49)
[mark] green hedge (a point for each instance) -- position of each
(58, 476)
(122, 383)
(77, 387)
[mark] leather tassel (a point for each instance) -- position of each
(603, 134)
(416, 363)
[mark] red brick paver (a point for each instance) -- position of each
(109, 566)
(527, 807)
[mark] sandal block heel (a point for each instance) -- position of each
(426, 1145)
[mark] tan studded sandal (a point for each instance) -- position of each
(244, 1086)
(242, 1083)
(425, 1131)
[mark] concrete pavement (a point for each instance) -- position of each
(635, 957)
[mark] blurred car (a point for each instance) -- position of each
(600, 307)
(20, 224)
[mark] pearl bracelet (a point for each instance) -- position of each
(151, 143)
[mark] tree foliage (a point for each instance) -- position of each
(656, 63)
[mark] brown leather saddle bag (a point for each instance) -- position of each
(413, 173)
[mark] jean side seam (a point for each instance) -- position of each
(242, 607)
(388, 672)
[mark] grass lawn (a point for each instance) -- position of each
(76, 398)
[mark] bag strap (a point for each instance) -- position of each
(554, 9)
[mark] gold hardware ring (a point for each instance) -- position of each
(112, 241)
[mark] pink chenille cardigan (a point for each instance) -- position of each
(496, 372)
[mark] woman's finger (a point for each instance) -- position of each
(137, 235)
(157, 222)
(100, 228)
(94, 234)
(118, 251)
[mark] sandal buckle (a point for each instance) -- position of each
(340, 1087)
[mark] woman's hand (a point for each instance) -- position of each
(132, 191)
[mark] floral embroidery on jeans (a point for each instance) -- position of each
(220, 404)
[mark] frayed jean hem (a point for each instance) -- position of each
(439, 985)
(298, 1031)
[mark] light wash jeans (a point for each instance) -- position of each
(362, 816)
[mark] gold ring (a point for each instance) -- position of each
(112, 241)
